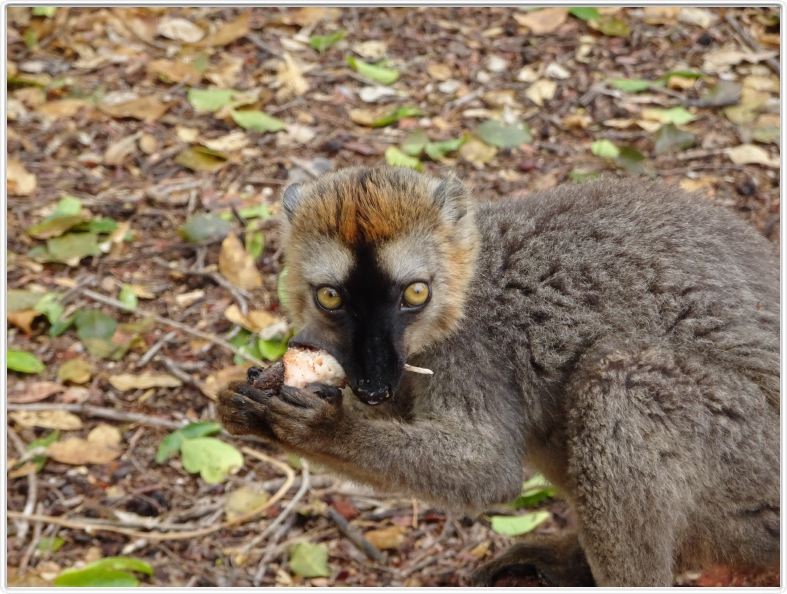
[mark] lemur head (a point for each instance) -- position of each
(378, 263)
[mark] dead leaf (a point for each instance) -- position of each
(577, 120)
(148, 143)
(225, 74)
(77, 371)
(386, 538)
(767, 128)
(697, 16)
(48, 419)
(118, 151)
(721, 60)
(751, 154)
(228, 32)
(541, 90)
(542, 22)
(660, 15)
(289, 75)
(186, 299)
(311, 15)
(179, 29)
(101, 446)
(20, 182)
(705, 183)
(75, 395)
(477, 152)
(257, 320)
(237, 265)
(234, 141)
(147, 109)
(23, 319)
(34, 392)
(128, 381)
(439, 71)
(243, 501)
(373, 50)
(174, 71)
(215, 382)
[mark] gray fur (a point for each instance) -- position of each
(622, 338)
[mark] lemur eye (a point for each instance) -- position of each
(416, 294)
(329, 298)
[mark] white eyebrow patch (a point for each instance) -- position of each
(406, 259)
(326, 262)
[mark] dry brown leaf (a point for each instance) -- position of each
(660, 15)
(23, 319)
(256, 320)
(228, 32)
(372, 50)
(697, 16)
(77, 371)
(119, 151)
(577, 120)
(225, 73)
(101, 446)
(234, 141)
(237, 265)
(311, 15)
(705, 183)
(439, 71)
(75, 395)
(542, 22)
(34, 392)
(386, 538)
(148, 143)
(721, 60)
(289, 74)
(541, 90)
(751, 154)
(148, 109)
(48, 419)
(179, 29)
(477, 152)
(19, 181)
(215, 382)
(128, 381)
(186, 299)
(174, 71)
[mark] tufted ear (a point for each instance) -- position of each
(452, 197)
(290, 199)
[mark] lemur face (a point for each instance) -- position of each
(378, 261)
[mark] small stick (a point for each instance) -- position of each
(162, 320)
(151, 352)
(178, 372)
(421, 370)
(355, 537)
(100, 412)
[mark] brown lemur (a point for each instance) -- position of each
(619, 336)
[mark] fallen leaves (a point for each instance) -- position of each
(19, 181)
(518, 525)
(542, 22)
(745, 154)
(34, 392)
(390, 537)
(23, 362)
(144, 381)
(237, 265)
(47, 419)
(179, 29)
(76, 371)
(309, 560)
(244, 500)
(101, 446)
(211, 458)
(148, 109)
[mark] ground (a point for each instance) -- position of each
(102, 111)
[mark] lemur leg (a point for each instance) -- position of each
(554, 560)
(630, 461)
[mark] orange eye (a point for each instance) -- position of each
(329, 298)
(416, 294)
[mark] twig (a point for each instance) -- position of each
(25, 561)
(162, 320)
(355, 537)
(100, 412)
(32, 489)
(772, 63)
(151, 352)
(89, 525)
(178, 372)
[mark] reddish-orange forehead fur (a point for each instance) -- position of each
(355, 206)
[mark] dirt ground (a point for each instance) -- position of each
(101, 108)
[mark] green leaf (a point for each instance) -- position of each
(109, 572)
(396, 115)
(61, 325)
(248, 344)
(204, 227)
(201, 158)
(606, 149)
(75, 370)
(71, 248)
(170, 445)
(68, 205)
(21, 299)
(322, 42)
(54, 226)
(612, 26)
(669, 139)
(503, 135)
(375, 72)
(50, 306)
(212, 458)
(438, 150)
(584, 13)
(30, 38)
(257, 121)
(50, 544)
(128, 297)
(102, 225)
(517, 525)
(23, 362)
(534, 491)
(309, 560)
(580, 175)
(396, 158)
(272, 349)
(44, 11)
(44, 442)
(94, 323)
(415, 142)
(631, 85)
(254, 242)
(210, 99)
(674, 115)
(258, 211)
(631, 159)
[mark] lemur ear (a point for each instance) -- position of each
(452, 197)
(290, 199)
